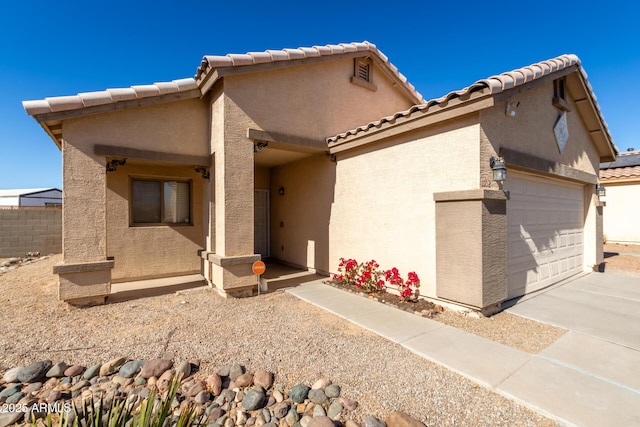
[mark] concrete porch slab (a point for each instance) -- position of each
(153, 287)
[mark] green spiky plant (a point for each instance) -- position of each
(152, 412)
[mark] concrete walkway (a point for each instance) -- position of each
(578, 380)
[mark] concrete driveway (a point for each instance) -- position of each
(596, 363)
(603, 306)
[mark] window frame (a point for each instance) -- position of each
(162, 181)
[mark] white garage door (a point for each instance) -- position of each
(545, 229)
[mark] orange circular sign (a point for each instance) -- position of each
(258, 267)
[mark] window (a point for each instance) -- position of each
(160, 202)
(363, 73)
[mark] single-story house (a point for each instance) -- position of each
(621, 180)
(311, 154)
(31, 197)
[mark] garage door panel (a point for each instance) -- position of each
(544, 232)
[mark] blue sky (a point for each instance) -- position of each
(53, 48)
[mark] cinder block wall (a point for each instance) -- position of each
(25, 230)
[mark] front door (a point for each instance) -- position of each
(261, 223)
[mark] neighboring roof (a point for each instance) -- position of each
(24, 191)
(481, 89)
(211, 63)
(626, 165)
(629, 158)
(618, 173)
(49, 112)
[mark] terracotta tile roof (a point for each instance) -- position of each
(210, 63)
(626, 172)
(207, 65)
(109, 96)
(488, 86)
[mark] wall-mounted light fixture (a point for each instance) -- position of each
(203, 171)
(281, 191)
(259, 146)
(510, 109)
(499, 169)
(601, 191)
(113, 164)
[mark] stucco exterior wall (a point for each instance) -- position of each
(300, 217)
(142, 252)
(179, 127)
(235, 183)
(315, 101)
(310, 101)
(471, 247)
(530, 131)
(176, 127)
(621, 219)
(262, 178)
(84, 201)
(30, 229)
(384, 207)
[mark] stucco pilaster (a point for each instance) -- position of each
(84, 205)
(232, 212)
(83, 227)
(471, 246)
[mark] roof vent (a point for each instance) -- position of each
(631, 149)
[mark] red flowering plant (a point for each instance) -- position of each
(368, 277)
(407, 289)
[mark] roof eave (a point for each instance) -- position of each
(53, 119)
(393, 126)
(600, 135)
(209, 75)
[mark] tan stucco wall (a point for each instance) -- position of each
(312, 101)
(262, 176)
(621, 219)
(179, 127)
(234, 183)
(530, 132)
(84, 209)
(152, 251)
(304, 211)
(315, 101)
(384, 207)
(176, 127)
(471, 251)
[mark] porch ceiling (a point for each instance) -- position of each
(270, 157)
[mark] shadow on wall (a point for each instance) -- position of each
(302, 193)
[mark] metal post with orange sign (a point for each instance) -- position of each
(258, 269)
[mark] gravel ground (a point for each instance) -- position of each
(277, 332)
(506, 328)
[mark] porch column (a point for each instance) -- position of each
(471, 248)
(85, 273)
(233, 175)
